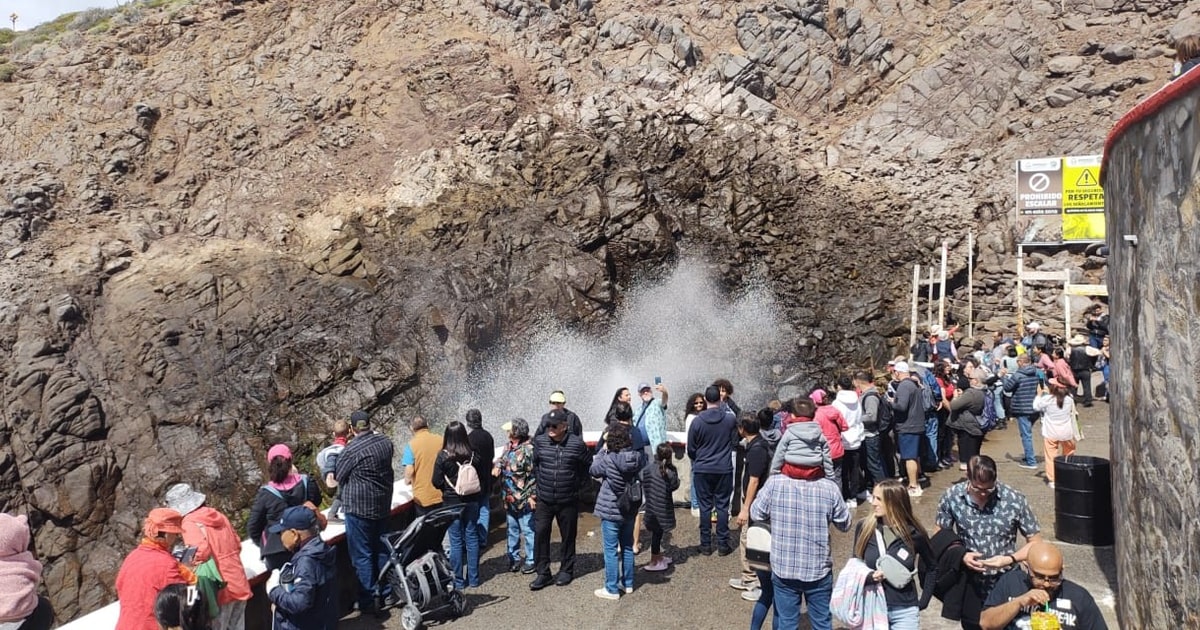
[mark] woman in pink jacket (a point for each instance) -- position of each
(19, 577)
(213, 536)
(833, 424)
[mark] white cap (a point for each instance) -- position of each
(901, 366)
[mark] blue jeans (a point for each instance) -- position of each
(466, 526)
(790, 593)
(766, 595)
(696, 502)
(368, 555)
(907, 618)
(618, 539)
(874, 459)
(485, 519)
(1025, 424)
(520, 524)
(931, 436)
(713, 491)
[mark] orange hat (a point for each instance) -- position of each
(162, 521)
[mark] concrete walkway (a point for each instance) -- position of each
(695, 593)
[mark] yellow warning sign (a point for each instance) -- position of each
(1081, 185)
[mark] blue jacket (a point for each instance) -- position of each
(615, 470)
(1023, 388)
(711, 439)
(310, 602)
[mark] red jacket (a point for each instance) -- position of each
(832, 424)
(147, 570)
(211, 534)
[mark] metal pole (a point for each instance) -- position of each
(929, 299)
(971, 283)
(942, 296)
(1020, 291)
(912, 332)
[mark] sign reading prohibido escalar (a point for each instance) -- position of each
(1059, 199)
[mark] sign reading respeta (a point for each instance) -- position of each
(1059, 199)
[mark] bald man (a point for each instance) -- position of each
(1040, 586)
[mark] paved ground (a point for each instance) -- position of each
(695, 592)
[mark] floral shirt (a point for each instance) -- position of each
(516, 470)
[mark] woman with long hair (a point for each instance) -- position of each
(455, 458)
(285, 488)
(695, 404)
(617, 465)
(623, 395)
(894, 530)
(945, 439)
(1058, 423)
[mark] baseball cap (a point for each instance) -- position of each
(295, 517)
(279, 450)
(558, 397)
(901, 366)
(506, 427)
(643, 387)
(360, 419)
(556, 417)
(163, 521)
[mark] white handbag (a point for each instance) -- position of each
(894, 571)
(758, 546)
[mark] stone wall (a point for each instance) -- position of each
(1150, 180)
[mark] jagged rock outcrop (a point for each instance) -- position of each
(226, 223)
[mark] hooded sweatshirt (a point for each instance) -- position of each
(832, 423)
(711, 439)
(213, 536)
(309, 601)
(846, 402)
(803, 444)
(19, 572)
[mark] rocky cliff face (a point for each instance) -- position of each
(227, 222)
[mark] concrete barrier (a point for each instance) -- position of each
(259, 607)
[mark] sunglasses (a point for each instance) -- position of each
(1050, 579)
(984, 491)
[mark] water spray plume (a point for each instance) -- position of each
(682, 328)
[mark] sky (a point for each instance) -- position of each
(30, 13)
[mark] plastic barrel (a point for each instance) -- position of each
(1083, 500)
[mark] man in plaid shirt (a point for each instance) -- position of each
(800, 512)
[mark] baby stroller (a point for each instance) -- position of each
(417, 569)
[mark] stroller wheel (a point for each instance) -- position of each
(458, 603)
(410, 617)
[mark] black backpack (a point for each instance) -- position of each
(631, 499)
(883, 415)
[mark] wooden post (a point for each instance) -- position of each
(1067, 306)
(942, 295)
(1020, 291)
(929, 299)
(912, 332)
(971, 283)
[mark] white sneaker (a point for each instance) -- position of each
(696, 512)
(1051, 484)
(743, 585)
(915, 492)
(603, 593)
(628, 590)
(851, 504)
(752, 595)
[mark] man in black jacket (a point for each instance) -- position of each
(484, 447)
(560, 465)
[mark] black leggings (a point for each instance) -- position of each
(42, 617)
(656, 538)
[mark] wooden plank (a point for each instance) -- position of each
(1087, 289)
(1056, 276)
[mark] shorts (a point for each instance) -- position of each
(909, 445)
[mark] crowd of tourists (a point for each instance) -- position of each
(799, 465)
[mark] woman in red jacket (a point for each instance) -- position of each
(150, 568)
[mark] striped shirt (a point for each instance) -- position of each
(800, 513)
(365, 477)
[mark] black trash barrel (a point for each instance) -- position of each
(1083, 500)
